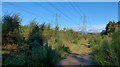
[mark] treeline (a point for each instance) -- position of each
(111, 27)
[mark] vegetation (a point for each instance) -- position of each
(32, 44)
(39, 44)
(106, 51)
(111, 27)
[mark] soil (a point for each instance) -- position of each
(75, 59)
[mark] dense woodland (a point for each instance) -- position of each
(39, 44)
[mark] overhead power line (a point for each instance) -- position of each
(75, 8)
(47, 10)
(80, 10)
(60, 11)
(21, 8)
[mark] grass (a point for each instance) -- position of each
(81, 47)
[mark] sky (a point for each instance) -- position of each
(69, 14)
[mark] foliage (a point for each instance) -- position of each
(108, 52)
(39, 44)
(103, 32)
(35, 41)
(63, 51)
(32, 28)
(111, 27)
(11, 29)
(17, 59)
(10, 23)
(43, 56)
(106, 48)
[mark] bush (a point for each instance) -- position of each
(63, 51)
(35, 41)
(95, 40)
(14, 59)
(108, 53)
(42, 56)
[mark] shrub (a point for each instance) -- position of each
(42, 56)
(35, 41)
(63, 51)
(95, 40)
(14, 59)
(108, 53)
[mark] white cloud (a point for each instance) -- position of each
(92, 28)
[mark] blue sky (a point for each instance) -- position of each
(70, 15)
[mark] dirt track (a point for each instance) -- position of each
(76, 59)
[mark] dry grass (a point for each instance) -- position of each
(80, 48)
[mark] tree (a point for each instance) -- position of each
(34, 27)
(110, 27)
(103, 32)
(42, 26)
(10, 23)
(56, 28)
(10, 27)
(30, 29)
(35, 41)
(117, 26)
